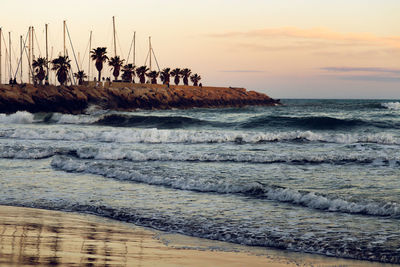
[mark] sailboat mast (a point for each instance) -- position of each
(90, 49)
(150, 51)
(65, 50)
(1, 32)
(47, 56)
(29, 52)
(9, 48)
(134, 48)
(21, 48)
(115, 42)
(33, 44)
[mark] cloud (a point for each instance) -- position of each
(362, 69)
(373, 78)
(317, 34)
(242, 71)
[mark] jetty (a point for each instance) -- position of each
(71, 90)
(121, 96)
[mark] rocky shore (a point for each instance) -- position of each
(120, 96)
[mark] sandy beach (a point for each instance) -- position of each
(42, 237)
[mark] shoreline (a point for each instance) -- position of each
(42, 237)
(124, 97)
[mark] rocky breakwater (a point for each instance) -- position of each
(120, 96)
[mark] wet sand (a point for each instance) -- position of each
(40, 237)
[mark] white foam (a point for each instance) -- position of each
(336, 157)
(392, 105)
(306, 199)
(154, 136)
(73, 119)
(20, 117)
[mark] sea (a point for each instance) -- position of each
(314, 176)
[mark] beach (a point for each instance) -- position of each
(41, 237)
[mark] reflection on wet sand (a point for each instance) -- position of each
(31, 237)
(35, 237)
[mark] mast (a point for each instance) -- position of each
(150, 51)
(29, 51)
(90, 48)
(65, 52)
(134, 48)
(9, 48)
(115, 41)
(33, 44)
(47, 56)
(20, 44)
(1, 32)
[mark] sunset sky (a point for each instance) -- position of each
(286, 48)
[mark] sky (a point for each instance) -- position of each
(285, 48)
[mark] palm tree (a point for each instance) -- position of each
(80, 75)
(99, 55)
(153, 76)
(128, 72)
(62, 66)
(195, 78)
(165, 75)
(177, 74)
(185, 75)
(116, 63)
(38, 66)
(141, 72)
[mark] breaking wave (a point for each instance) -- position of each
(156, 136)
(107, 118)
(392, 105)
(20, 117)
(115, 154)
(255, 189)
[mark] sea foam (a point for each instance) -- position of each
(20, 117)
(157, 136)
(306, 199)
(392, 105)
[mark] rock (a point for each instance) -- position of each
(75, 99)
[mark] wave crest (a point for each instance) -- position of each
(20, 117)
(255, 189)
(391, 105)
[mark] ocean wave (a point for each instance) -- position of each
(391, 105)
(20, 117)
(266, 157)
(239, 157)
(158, 136)
(314, 123)
(161, 122)
(255, 189)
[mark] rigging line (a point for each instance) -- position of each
(5, 58)
(20, 60)
(148, 53)
(70, 72)
(38, 46)
(84, 55)
(155, 59)
(73, 50)
(12, 50)
(119, 44)
(130, 49)
(27, 58)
